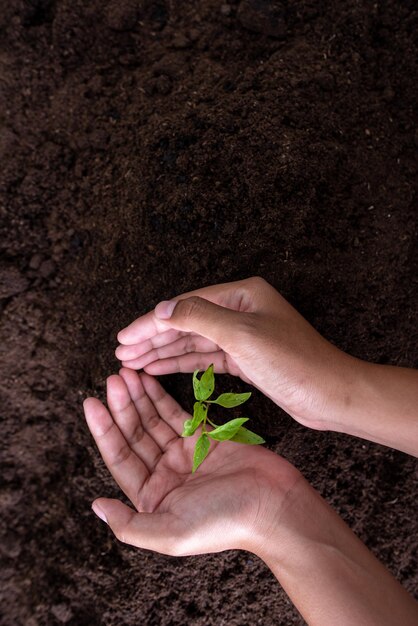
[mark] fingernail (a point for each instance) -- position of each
(164, 309)
(99, 512)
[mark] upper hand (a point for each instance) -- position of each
(247, 329)
(230, 502)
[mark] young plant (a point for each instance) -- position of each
(231, 431)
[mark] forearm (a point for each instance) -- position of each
(378, 403)
(327, 571)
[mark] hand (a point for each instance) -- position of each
(241, 497)
(246, 329)
(229, 503)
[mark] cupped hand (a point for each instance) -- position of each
(246, 329)
(230, 502)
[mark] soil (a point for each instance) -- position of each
(151, 147)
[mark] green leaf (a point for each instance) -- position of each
(199, 413)
(243, 435)
(187, 429)
(207, 384)
(229, 400)
(228, 430)
(196, 385)
(200, 451)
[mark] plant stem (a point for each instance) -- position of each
(205, 418)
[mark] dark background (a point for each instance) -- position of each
(153, 147)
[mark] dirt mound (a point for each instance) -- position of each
(149, 148)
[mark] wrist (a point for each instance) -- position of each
(339, 383)
(286, 523)
(279, 488)
(301, 527)
(327, 571)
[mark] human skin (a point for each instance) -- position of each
(248, 329)
(241, 497)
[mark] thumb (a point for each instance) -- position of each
(194, 314)
(153, 531)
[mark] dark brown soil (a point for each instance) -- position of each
(150, 147)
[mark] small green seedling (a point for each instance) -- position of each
(231, 431)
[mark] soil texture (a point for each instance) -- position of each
(150, 147)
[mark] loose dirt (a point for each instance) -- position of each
(152, 147)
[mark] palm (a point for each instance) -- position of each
(139, 441)
(200, 503)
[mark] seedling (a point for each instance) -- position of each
(231, 431)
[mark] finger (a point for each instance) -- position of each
(126, 468)
(224, 327)
(125, 353)
(153, 421)
(232, 295)
(167, 407)
(142, 329)
(184, 345)
(190, 362)
(153, 531)
(131, 423)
